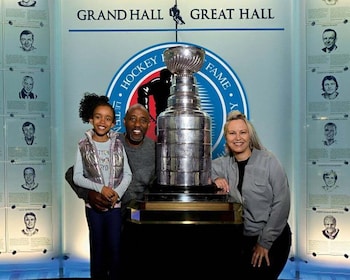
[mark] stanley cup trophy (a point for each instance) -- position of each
(183, 130)
(183, 192)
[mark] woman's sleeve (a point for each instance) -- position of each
(217, 169)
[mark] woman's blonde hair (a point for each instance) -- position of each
(254, 138)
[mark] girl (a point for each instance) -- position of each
(102, 165)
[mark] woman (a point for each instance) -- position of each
(255, 178)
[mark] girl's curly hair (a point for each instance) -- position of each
(88, 104)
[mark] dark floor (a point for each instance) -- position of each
(195, 248)
(287, 274)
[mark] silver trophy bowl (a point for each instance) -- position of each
(184, 60)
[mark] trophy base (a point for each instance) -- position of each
(185, 193)
(186, 205)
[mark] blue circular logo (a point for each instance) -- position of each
(219, 89)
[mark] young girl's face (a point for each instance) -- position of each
(102, 120)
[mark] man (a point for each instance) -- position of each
(27, 40)
(27, 3)
(175, 13)
(331, 231)
(29, 178)
(329, 37)
(330, 87)
(141, 155)
(160, 89)
(26, 91)
(30, 221)
(140, 150)
(330, 2)
(28, 130)
(330, 131)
